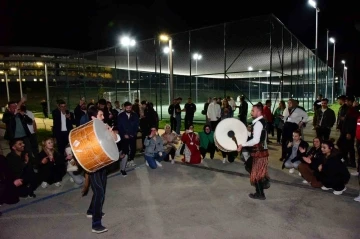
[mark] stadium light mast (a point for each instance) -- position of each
(332, 40)
(196, 57)
(166, 51)
(128, 42)
(166, 38)
(7, 85)
(314, 5)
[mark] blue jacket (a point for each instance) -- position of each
(128, 125)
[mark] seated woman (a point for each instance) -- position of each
(293, 155)
(207, 142)
(170, 140)
(154, 149)
(332, 173)
(192, 145)
(310, 162)
(52, 165)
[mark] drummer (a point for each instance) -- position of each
(98, 182)
(256, 144)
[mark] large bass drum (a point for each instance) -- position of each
(229, 134)
(93, 145)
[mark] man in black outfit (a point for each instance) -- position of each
(171, 111)
(316, 106)
(325, 121)
(243, 110)
(190, 109)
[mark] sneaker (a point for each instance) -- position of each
(147, 164)
(99, 229)
(44, 184)
(305, 182)
(299, 174)
(357, 198)
(89, 215)
(224, 161)
(325, 188)
(172, 161)
(158, 163)
(355, 174)
(123, 173)
(71, 179)
(292, 170)
(58, 184)
(32, 195)
(132, 163)
(339, 192)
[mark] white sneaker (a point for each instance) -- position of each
(158, 163)
(355, 174)
(357, 198)
(339, 192)
(71, 179)
(325, 188)
(147, 164)
(305, 182)
(172, 161)
(58, 184)
(44, 184)
(224, 160)
(299, 174)
(292, 170)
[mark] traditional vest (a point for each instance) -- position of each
(261, 146)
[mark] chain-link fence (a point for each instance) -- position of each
(256, 57)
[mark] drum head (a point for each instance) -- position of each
(106, 140)
(225, 129)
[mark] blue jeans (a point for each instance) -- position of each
(178, 123)
(151, 160)
(289, 164)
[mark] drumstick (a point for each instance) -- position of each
(231, 134)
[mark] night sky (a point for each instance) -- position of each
(95, 24)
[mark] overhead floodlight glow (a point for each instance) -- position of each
(268, 72)
(332, 40)
(260, 71)
(126, 41)
(312, 3)
(1, 72)
(336, 78)
(164, 37)
(35, 79)
(345, 68)
(343, 62)
(39, 63)
(13, 69)
(197, 56)
(166, 50)
(250, 68)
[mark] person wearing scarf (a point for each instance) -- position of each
(207, 144)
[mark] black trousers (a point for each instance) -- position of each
(52, 173)
(243, 119)
(323, 133)
(172, 153)
(210, 149)
(29, 181)
(35, 146)
(346, 147)
(213, 124)
(188, 121)
(270, 128)
(62, 140)
(128, 146)
(173, 123)
(98, 185)
(231, 156)
(278, 135)
(288, 129)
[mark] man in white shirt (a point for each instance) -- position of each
(214, 113)
(294, 118)
(257, 147)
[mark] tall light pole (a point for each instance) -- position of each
(327, 63)
(6, 84)
(313, 4)
(196, 57)
(20, 83)
(332, 40)
(166, 51)
(128, 42)
(344, 81)
(250, 69)
(171, 80)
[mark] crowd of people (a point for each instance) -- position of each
(324, 165)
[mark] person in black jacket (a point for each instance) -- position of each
(293, 154)
(310, 163)
(79, 111)
(332, 173)
(347, 135)
(63, 122)
(172, 114)
(204, 111)
(243, 110)
(190, 109)
(325, 120)
(16, 122)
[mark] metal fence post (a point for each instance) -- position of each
(190, 66)
(270, 38)
(282, 62)
(156, 78)
(225, 60)
(115, 74)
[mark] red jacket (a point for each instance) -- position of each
(267, 114)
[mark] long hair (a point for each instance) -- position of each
(49, 152)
